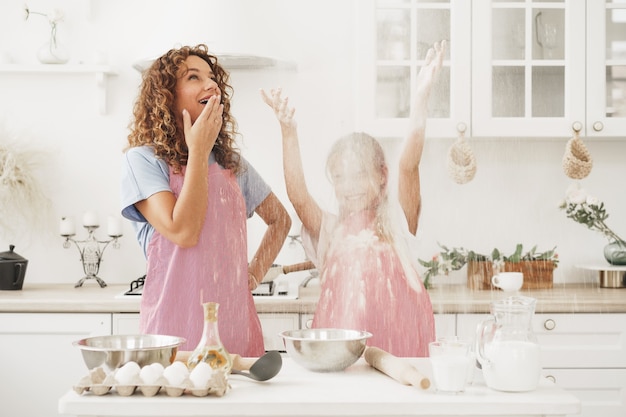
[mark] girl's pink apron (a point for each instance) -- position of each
(179, 279)
(364, 287)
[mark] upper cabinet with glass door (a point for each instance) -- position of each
(539, 68)
(606, 68)
(393, 38)
(528, 72)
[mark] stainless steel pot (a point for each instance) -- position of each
(12, 270)
(613, 278)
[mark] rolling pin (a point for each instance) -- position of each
(276, 270)
(395, 367)
(302, 266)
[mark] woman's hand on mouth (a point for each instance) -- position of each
(202, 133)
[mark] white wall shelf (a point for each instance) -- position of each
(101, 73)
(231, 61)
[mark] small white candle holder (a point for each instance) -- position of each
(91, 251)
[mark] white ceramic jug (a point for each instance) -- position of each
(507, 348)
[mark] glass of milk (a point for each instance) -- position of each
(451, 361)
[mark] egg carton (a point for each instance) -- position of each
(98, 382)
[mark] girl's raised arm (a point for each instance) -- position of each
(306, 207)
(409, 191)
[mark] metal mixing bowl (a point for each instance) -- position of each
(325, 350)
(111, 352)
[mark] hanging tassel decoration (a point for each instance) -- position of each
(461, 162)
(577, 162)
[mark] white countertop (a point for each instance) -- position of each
(64, 298)
(358, 391)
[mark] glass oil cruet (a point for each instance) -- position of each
(210, 348)
(506, 347)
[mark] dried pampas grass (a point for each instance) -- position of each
(24, 207)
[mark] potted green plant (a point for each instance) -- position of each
(587, 210)
(537, 267)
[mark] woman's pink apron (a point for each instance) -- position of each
(179, 279)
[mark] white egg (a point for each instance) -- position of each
(176, 373)
(128, 373)
(201, 374)
(157, 367)
(150, 374)
(180, 367)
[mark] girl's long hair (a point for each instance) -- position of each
(368, 151)
(155, 123)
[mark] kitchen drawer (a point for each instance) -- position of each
(37, 360)
(125, 323)
(306, 321)
(445, 325)
(582, 340)
(602, 392)
(273, 324)
(570, 340)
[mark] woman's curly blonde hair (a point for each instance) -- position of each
(155, 123)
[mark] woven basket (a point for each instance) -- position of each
(577, 161)
(461, 162)
(537, 274)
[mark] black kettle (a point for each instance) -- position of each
(12, 270)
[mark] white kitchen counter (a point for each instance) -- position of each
(64, 298)
(358, 391)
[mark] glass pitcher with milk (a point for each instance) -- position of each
(506, 347)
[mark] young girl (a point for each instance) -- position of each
(368, 281)
(189, 194)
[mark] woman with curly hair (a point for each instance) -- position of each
(189, 192)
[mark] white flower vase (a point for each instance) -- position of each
(53, 52)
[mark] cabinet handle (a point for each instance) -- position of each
(598, 126)
(551, 378)
(549, 324)
(308, 323)
(577, 126)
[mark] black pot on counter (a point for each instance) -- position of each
(12, 270)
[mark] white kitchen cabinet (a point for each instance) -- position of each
(37, 360)
(445, 325)
(585, 353)
(392, 40)
(273, 324)
(606, 68)
(544, 69)
(514, 68)
(125, 323)
(306, 321)
(528, 67)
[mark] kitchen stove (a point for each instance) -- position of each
(136, 286)
(269, 290)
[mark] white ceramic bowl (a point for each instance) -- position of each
(325, 350)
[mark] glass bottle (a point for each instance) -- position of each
(210, 348)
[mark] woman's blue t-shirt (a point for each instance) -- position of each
(143, 174)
